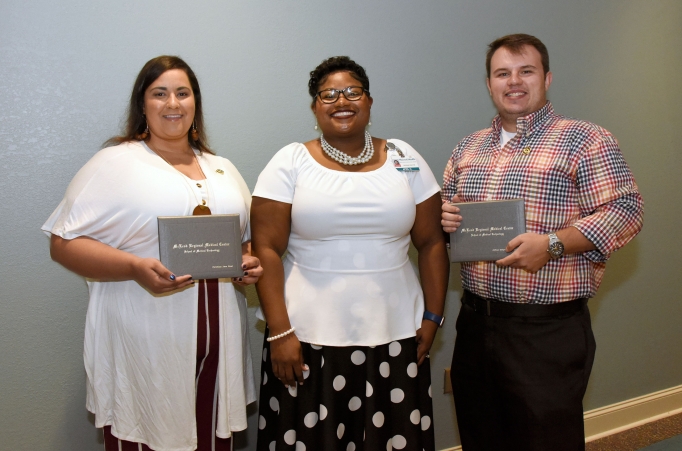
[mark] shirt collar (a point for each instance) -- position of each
(527, 125)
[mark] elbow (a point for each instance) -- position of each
(56, 249)
(430, 241)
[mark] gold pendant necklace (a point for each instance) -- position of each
(202, 208)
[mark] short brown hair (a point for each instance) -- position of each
(515, 44)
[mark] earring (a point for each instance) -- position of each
(370, 121)
(142, 136)
(195, 133)
(316, 127)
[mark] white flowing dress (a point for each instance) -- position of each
(140, 348)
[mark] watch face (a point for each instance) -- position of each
(556, 250)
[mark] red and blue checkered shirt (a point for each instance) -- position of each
(569, 173)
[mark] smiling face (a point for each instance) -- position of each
(169, 106)
(517, 84)
(343, 117)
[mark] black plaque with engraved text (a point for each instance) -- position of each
(206, 247)
(486, 229)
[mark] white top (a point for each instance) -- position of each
(140, 348)
(348, 280)
(505, 137)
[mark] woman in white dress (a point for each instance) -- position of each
(345, 361)
(167, 357)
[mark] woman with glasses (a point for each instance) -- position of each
(167, 357)
(349, 328)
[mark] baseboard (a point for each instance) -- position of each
(625, 415)
(632, 413)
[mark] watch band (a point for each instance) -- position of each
(556, 247)
(435, 318)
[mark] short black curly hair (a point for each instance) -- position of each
(336, 64)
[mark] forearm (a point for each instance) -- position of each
(92, 259)
(612, 225)
(434, 271)
(270, 228)
(574, 241)
(611, 206)
(434, 266)
(270, 290)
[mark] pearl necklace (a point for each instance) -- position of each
(343, 158)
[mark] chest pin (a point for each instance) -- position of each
(526, 150)
(219, 171)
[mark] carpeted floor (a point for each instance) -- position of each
(671, 444)
(661, 435)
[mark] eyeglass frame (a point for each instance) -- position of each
(341, 91)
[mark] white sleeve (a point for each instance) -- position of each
(422, 182)
(84, 210)
(278, 180)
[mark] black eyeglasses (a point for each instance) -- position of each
(351, 93)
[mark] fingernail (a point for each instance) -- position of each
(244, 266)
(240, 279)
(246, 273)
(172, 277)
(191, 278)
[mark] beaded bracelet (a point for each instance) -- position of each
(283, 334)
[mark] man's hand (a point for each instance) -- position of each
(530, 252)
(450, 218)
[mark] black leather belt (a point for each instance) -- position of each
(492, 307)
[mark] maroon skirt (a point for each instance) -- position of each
(208, 342)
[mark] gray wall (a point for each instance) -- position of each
(66, 69)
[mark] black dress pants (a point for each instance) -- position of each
(519, 379)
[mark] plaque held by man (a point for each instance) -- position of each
(486, 229)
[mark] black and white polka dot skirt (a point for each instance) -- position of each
(354, 398)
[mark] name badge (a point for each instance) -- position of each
(400, 161)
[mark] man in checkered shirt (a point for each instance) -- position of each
(524, 347)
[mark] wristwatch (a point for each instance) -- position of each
(556, 247)
(433, 317)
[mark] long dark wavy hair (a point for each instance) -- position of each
(136, 122)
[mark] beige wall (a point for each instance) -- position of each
(66, 69)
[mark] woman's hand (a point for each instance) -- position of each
(95, 260)
(424, 339)
(287, 360)
(152, 275)
(252, 271)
